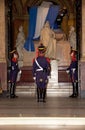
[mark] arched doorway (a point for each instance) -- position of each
(16, 20)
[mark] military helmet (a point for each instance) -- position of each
(41, 48)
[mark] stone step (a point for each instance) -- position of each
(44, 122)
(53, 86)
(62, 89)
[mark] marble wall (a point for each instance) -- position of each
(82, 59)
(3, 64)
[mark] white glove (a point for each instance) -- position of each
(12, 67)
(73, 70)
(48, 77)
(34, 78)
(67, 71)
(20, 72)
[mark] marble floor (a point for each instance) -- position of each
(25, 113)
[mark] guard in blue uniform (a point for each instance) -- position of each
(14, 69)
(73, 71)
(41, 72)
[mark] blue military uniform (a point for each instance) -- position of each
(41, 71)
(14, 69)
(73, 71)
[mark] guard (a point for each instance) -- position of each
(14, 69)
(73, 71)
(41, 72)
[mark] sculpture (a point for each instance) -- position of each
(47, 37)
(72, 37)
(63, 48)
(20, 43)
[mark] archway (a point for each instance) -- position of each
(18, 20)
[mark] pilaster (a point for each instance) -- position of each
(82, 59)
(3, 64)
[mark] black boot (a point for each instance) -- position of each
(44, 94)
(14, 89)
(10, 90)
(41, 92)
(13, 94)
(77, 91)
(74, 90)
(38, 94)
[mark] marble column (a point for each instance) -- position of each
(83, 30)
(82, 59)
(3, 63)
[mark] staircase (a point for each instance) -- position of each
(60, 90)
(27, 86)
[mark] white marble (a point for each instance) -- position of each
(54, 72)
(20, 45)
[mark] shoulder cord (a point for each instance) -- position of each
(40, 68)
